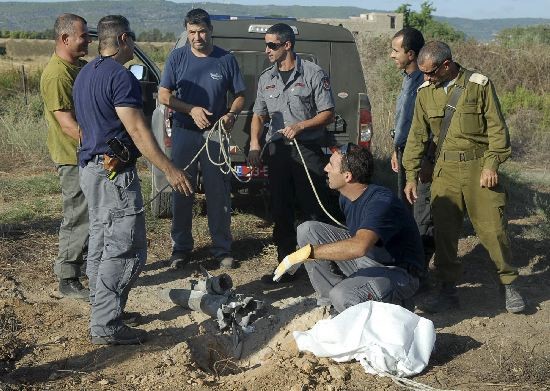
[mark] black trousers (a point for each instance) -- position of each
(291, 191)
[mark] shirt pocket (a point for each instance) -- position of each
(300, 99)
(435, 118)
(470, 119)
(272, 101)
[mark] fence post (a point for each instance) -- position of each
(24, 83)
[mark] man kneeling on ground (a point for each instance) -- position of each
(349, 266)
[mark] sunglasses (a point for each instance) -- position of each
(274, 45)
(433, 72)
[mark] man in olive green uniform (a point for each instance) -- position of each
(56, 86)
(465, 175)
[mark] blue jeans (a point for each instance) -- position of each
(217, 187)
(347, 283)
(117, 247)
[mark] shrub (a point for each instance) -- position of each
(521, 77)
(22, 132)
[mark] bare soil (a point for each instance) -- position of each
(44, 342)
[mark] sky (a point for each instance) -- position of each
(471, 9)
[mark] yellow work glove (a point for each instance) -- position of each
(292, 261)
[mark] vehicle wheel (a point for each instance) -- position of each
(162, 205)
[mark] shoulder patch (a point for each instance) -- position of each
(478, 78)
(425, 84)
(325, 82)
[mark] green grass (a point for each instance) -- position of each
(29, 199)
(23, 132)
(39, 185)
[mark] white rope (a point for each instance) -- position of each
(224, 138)
(413, 385)
(313, 187)
(402, 381)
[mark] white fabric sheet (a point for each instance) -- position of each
(384, 338)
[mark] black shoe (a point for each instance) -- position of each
(73, 289)
(124, 336)
(408, 304)
(447, 299)
(285, 278)
(179, 259)
(131, 319)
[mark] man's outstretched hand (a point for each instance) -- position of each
(292, 261)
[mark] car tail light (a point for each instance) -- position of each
(364, 135)
(168, 113)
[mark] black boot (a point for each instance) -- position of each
(447, 299)
(72, 288)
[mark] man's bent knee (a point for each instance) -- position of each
(309, 233)
(342, 298)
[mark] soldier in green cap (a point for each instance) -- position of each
(465, 175)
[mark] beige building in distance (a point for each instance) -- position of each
(372, 24)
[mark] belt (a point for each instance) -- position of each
(462, 156)
(98, 159)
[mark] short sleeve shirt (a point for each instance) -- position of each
(56, 86)
(202, 81)
(380, 211)
(306, 93)
(100, 87)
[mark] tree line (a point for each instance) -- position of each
(154, 35)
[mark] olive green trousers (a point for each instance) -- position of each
(456, 190)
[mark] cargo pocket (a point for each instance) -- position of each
(125, 233)
(470, 119)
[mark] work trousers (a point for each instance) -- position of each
(117, 248)
(217, 188)
(347, 283)
(289, 187)
(73, 232)
(456, 190)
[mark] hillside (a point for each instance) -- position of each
(167, 16)
(485, 29)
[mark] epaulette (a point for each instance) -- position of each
(267, 69)
(425, 84)
(478, 78)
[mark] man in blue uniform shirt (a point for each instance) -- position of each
(201, 74)
(405, 46)
(108, 106)
(346, 267)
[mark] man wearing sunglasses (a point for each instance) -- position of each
(348, 266)
(295, 97)
(201, 74)
(108, 107)
(466, 177)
